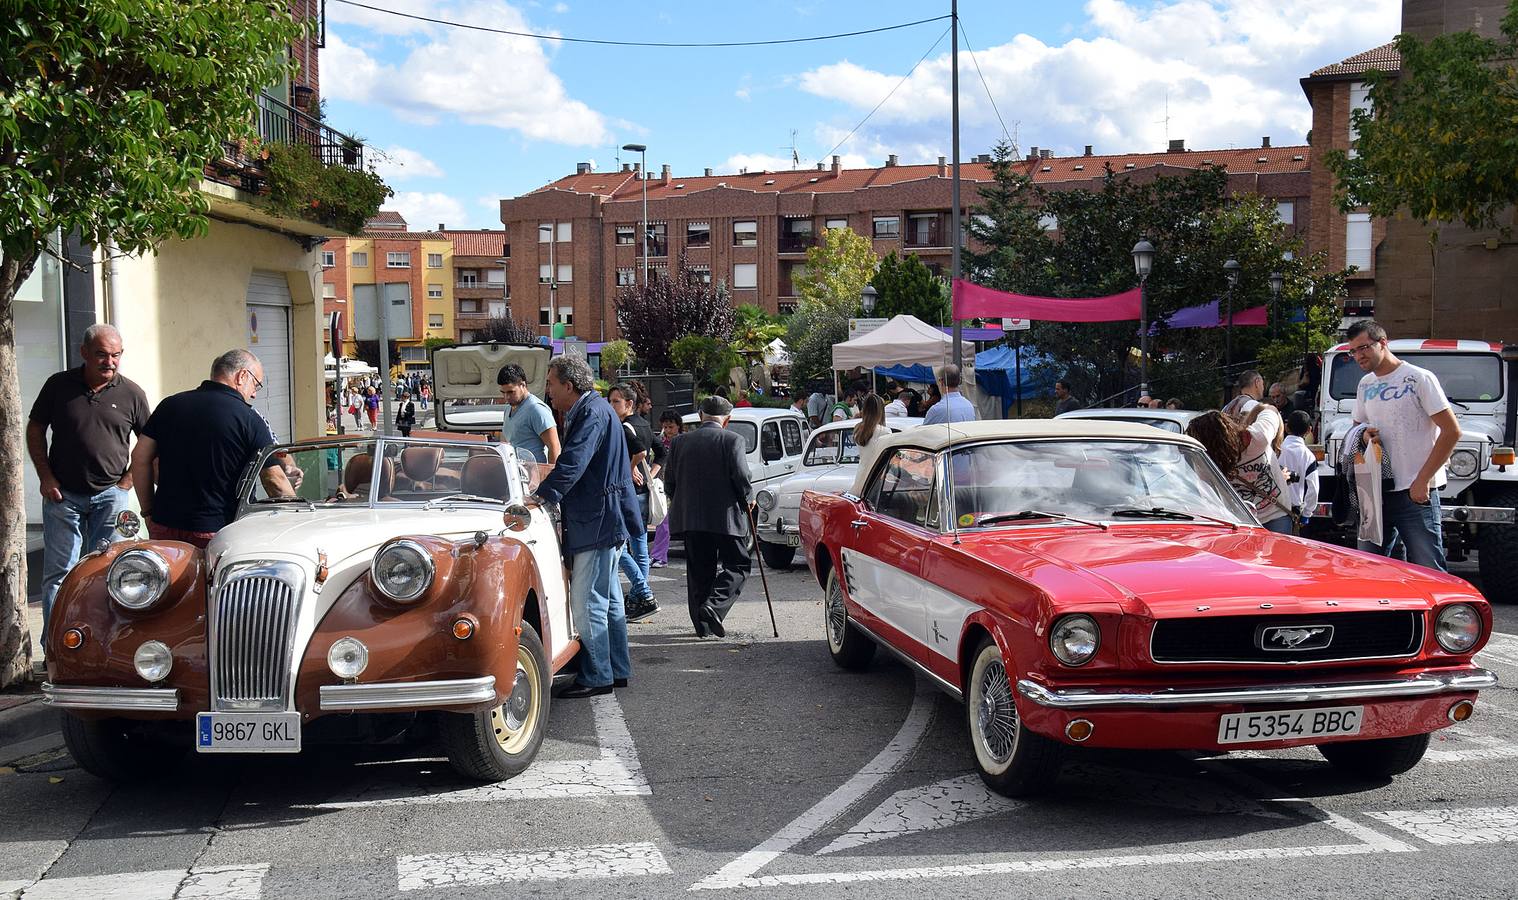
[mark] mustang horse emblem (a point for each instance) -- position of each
(1291, 638)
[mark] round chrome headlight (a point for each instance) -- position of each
(1463, 463)
(402, 570)
(1074, 639)
(137, 579)
(1458, 627)
(348, 658)
(765, 499)
(153, 660)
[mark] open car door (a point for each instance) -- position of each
(464, 387)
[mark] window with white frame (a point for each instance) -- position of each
(498, 309)
(329, 259)
(398, 259)
(413, 354)
(566, 273)
(745, 276)
(1357, 241)
(567, 315)
(566, 231)
(698, 234)
(545, 232)
(835, 223)
(1286, 212)
(627, 234)
(746, 234)
(435, 291)
(495, 276)
(1359, 98)
(434, 260)
(885, 227)
(545, 316)
(545, 273)
(434, 320)
(468, 277)
(329, 290)
(359, 260)
(626, 277)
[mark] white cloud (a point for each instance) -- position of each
(473, 77)
(561, 8)
(424, 211)
(758, 162)
(1229, 70)
(399, 163)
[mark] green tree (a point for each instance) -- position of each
(907, 287)
(1441, 137)
(706, 358)
(754, 330)
(109, 111)
(837, 269)
(614, 355)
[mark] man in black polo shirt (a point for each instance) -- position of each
(93, 411)
(202, 440)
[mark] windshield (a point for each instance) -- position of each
(1169, 425)
(343, 474)
(1089, 479)
(747, 430)
(1464, 376)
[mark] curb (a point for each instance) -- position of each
(28, 728)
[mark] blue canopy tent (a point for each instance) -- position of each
(997, 370)
(914, 374)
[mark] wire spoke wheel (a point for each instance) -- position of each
(996, 714)
(1012, 759)
(837, 617)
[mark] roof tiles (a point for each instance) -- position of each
(1385, 57)
(477, 242)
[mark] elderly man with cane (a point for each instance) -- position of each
(706, 477)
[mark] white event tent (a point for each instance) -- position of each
(903, 341)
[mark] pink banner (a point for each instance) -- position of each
(1255, 315)
(971, 301)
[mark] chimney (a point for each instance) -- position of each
(637, 166)
(441, 227)
(1033, 153)
(627, 167)
(708, 173)
(822, 167)
(664, 174)
(837, 165)
(891, 160)
(1046, 153)
(1177, 145)
(582, 168)
(943, 166)
(1088, 150)
(1265, 142)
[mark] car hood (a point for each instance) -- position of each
(348, 537)
(1170, 570)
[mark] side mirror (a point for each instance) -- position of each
(517, 517)
(128, 524)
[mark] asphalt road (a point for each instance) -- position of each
(752, 766)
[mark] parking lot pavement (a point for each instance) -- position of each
(753, 766)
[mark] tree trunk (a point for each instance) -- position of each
(15, 634)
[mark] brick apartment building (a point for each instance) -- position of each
(479, 279)
(576, 241)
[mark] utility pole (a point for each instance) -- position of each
(954, 191)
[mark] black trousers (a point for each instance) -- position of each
(707, 585)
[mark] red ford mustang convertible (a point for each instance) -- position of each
(1084, 583)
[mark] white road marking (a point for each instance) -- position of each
(222, 882)
(737, 873)
(617, 772)
(1477, 825)
(23, 862)
(1488, 747)
(439, 870)
(1502, 648)
(928, 808)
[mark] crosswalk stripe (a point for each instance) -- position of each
(222, 882)
(437, 870)
(1476, 825)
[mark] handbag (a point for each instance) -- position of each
(658, 504)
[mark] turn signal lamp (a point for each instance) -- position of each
(1504, 456)
(1079, 730)
(1461, 711)
(463, 628)
(73, 639)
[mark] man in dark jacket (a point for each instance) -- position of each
(592, 483)
(707, 482)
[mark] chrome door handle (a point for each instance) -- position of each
(858, 524)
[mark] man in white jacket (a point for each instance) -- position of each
(1301, 464)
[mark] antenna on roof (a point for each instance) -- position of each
(795, 156)
(1166, 120)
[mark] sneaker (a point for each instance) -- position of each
(641, 610)
(655, 564)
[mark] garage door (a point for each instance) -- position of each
(269, 339)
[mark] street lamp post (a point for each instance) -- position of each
(1231, 272)
(642, 151)
(1276, 280)
(867, 298)
(1143, 264)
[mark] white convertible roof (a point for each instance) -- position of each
(937, 437)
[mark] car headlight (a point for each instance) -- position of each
(1074, 639)
(137, 579)
(1458, 627)
(765, 499)
(402, 570)
(153, 661)
(1463, 463)
(348, 658)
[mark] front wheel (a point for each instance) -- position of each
(1012, 760)
(1496, 548)
(501, 742)
(118, 749)
(848, 645)
(776, 556)
(1376, 759)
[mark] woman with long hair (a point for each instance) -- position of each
(1244, 453)
(868, 435)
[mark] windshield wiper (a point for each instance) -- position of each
(1163, 512)
(1035, 514)
(455, 498)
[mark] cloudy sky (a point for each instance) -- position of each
(461, 118)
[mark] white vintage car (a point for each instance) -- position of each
(402, 577)
(829, 465)
(772, 440)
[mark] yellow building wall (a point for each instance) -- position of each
(180, 309)
(445, 276)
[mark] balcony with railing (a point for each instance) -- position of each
(243, 163)
(926, 231)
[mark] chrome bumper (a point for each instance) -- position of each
(410, 694)
(1391, 688)
(111, 698)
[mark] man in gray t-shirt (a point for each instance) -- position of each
(1411, 417)
(528, 425)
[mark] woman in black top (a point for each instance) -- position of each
(640, 603)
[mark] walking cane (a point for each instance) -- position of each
(753, 528)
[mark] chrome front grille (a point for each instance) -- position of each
(1375, 634)
(252, 628)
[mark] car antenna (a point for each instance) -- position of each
(949, 467)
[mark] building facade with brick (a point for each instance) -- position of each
(479, 289)
(411, 272)
(574, 243)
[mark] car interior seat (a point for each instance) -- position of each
(485, 476)
(359, 471)
(419, 466)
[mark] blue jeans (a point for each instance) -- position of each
(70, 527)
(634, 559)
(1416, 524)
(1280, 525)
(595, 601)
